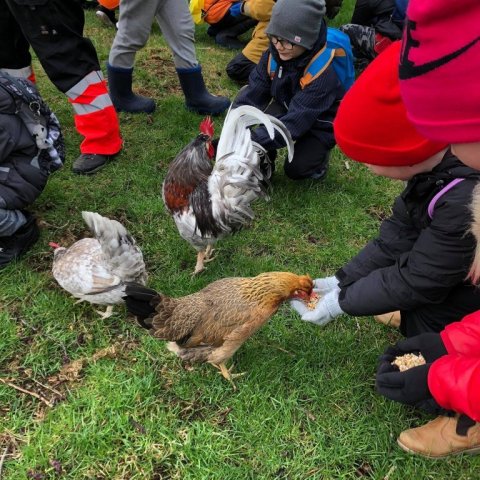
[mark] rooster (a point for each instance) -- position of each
(209, 201)
(96, 269)
(211, 324)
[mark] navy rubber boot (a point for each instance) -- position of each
(197, 97)
(120, 88)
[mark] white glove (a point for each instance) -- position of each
(326, 310)
(325, 285)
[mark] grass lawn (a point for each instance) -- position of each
(126, 408)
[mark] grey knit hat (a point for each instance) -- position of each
(298, 21)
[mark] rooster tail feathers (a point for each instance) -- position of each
(141, 302)
(238, 177)
(118, 246)
(285, 133)
(236, 136)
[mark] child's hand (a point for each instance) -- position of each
(236, 9)
(326, 310)
(325, 285)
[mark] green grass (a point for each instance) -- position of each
(306, 407)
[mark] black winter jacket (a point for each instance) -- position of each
(21, 178)
(379, 14)
(416, 260)
(312, 109)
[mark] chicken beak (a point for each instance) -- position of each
(301, 294)
(53, 245)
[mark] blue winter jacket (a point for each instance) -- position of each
(311, 109)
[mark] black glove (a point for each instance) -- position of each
(409, 387)
(430, 345)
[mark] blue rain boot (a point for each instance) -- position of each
(120, 88)
(197, 97)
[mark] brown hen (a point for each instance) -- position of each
(211, 324)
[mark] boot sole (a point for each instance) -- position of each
(89, 172)
(200, 111)
(469, 451)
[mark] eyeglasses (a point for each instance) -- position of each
(284, 43)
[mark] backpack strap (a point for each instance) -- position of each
(443, 191)
(318, 64)
(271, 66)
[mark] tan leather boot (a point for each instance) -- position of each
(392, 319)
(442, 437)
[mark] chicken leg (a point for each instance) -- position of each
(107, 313)
(227, 373)
(203, 257)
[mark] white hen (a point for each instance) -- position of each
(96, 269)
(210, 201)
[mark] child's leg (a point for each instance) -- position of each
(176, 24)
(462, 300)
(18, 232)
(239, 68)
(134, 26)
(362, 39)
(229, 28)
(310, 159)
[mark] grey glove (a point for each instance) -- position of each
(326, 310)
(325, 285)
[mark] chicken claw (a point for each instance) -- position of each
(199, 267)
(203, 257)
(107, 313)
(209, 254)
(226, 373)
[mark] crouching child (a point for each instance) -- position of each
(416, 269)
(297, 33)
(31, 147)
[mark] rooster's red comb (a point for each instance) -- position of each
(206, 126)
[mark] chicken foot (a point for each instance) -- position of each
(203, 257)
(107, 313)
(227, 373)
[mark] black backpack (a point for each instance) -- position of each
(40, 121)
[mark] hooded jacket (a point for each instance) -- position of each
(22, 179)
(311, 109)
(454, 379)
(260, 10)
(416, 260)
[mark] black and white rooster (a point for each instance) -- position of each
(211, 200)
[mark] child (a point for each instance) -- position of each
(176, 24)
(297, 31)
(24, 166)
(374, 26)
(227, 21)
(449, 380)
(240, 67)
(420, 260)
(451, 377)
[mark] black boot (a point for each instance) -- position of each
(120, 87)
(228, 36)
(17, 244)
(106, 16)
(197, 97)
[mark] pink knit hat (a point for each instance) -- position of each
(440, 69)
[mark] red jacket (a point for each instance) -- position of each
(454, 379)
